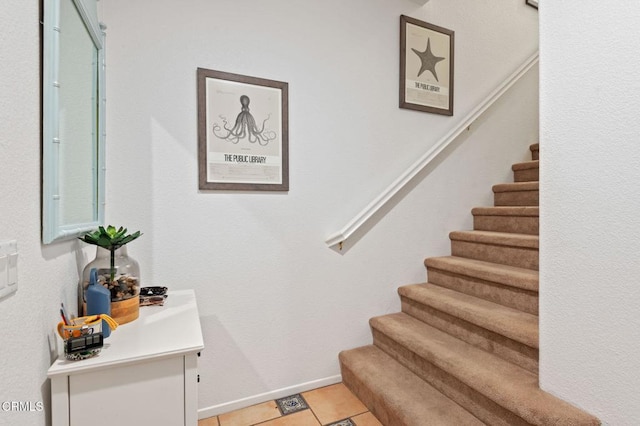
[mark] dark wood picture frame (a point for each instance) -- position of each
(243, 132)
(532, 3)
(426, 67)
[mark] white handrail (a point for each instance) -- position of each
(367, 213)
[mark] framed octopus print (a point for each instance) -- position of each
(426, 67)
(243, 132)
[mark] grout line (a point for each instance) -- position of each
(346, 418)
(341, 420)
(314, 415)
(360, 413)
(356, 415)
(261, 423)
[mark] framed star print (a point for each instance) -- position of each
(243, 132)
(426, 67)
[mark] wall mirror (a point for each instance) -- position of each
(73, 111)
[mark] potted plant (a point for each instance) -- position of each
(118, 272)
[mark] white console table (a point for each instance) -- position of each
(146, 372)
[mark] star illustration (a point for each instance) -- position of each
(428, 59)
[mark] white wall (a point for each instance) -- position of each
(276, 304)
(590, 326)
(46, 275)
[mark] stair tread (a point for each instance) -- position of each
(514, 276)
(497, 238)
(516, 186)
(523, 211)
(410, 398)
(526, 165)
(512, 323)
(507, 384)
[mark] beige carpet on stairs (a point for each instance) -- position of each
(464, 349)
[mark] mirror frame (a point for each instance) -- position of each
(52, 229)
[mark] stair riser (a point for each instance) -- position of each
(505, 255)
(515, 224)
(395, 395)
(516, 198)
(512, 297)
(371, 399)
(471, 400)
(501, 346)
(527, 175)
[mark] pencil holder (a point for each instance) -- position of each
(83, 337)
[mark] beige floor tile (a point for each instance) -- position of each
(301, 418)
(333, 403)
(209, 421)
(250, 415)
(366, 419)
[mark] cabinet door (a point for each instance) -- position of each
(148, 393)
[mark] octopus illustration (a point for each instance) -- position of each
(244, 127)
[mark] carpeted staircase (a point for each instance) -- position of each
(464, 349)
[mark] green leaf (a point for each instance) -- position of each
(111, 230)
(109, 238)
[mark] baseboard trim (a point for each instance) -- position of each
(214, 410)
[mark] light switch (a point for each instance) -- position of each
(12, 269)
(8, 267)
(4, 274)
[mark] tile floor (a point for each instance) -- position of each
(333, 405)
